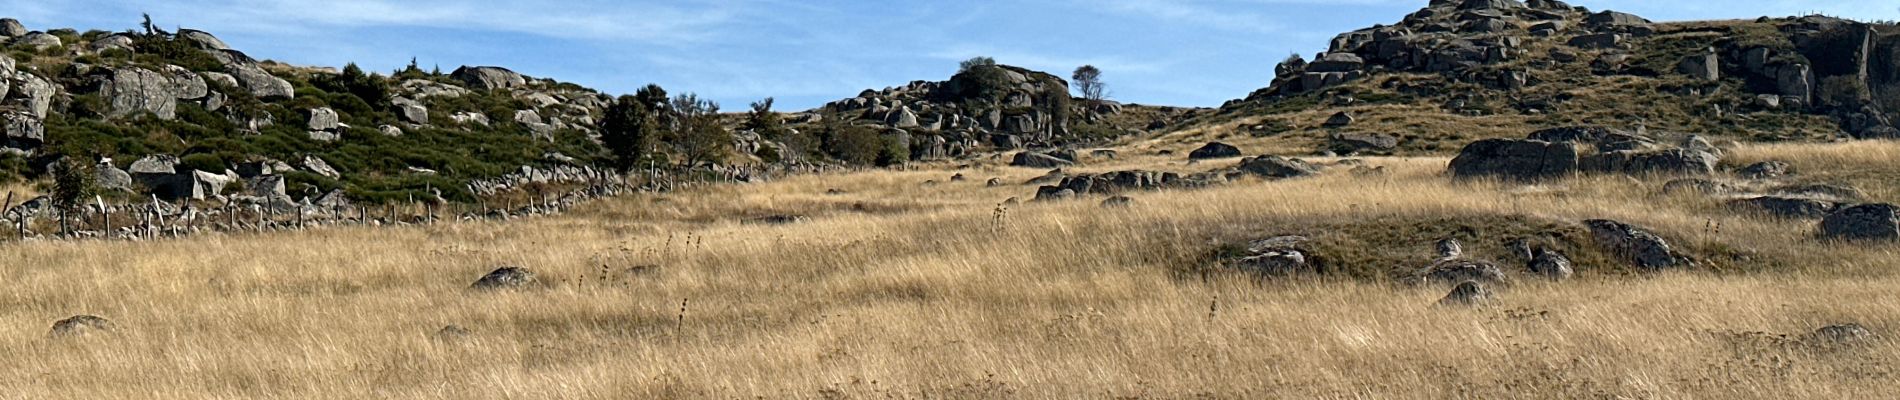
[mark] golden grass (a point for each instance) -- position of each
(900, 289)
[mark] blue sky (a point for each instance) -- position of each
(1173, 52)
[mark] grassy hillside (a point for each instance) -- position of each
(897, 288)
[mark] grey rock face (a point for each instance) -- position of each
(1515, 159)
(323, 119)
(1214, 150)
(505, 278)
(23, 131)
(902, 118)
(411, 111)
(318, 166)
(489, 78)
(112, 178)
(1870, 222)
(35, 93)
(134, 90)
(1637, 246)
(1706, 66)
(157, 164)
(187, 85)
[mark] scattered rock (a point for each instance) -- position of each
(1697, 186)
(323, 119)
(1347, 143)
(1118, 202)
(1339, 120)
(1052, 193)
(318, 166)
(1461, 270)
(1277, 256)
(1277, 167)
(1766, 170)
(1467, 293)
(1869, 222)
(1842, 334)
(81, 325)
(1639, 247)
(1552, 265)
(450, 334)
(1215, 150)
(505, 278)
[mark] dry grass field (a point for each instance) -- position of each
(894, 288)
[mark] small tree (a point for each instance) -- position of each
(1088, 82)
(73, 183)
(700, 137)
(627, 130)
(763, 121)
(855, 145)
(973, 62)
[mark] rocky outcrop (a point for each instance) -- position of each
(129, 91)
(37, 41)
(489, 78)
(23, 131)
(1030, 159)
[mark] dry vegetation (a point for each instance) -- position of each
(898, 289)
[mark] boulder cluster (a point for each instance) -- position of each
(1562, 152)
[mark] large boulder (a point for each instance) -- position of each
(1347, 143)
(112, 178)
(1467, 294)
(1705, 66)
(12, 28)
(1551, 264)
(117, 41)
(1637, 246)
(323, 119)
(38, 41)
(902, 118)
(259, 82)
(1215, 150)
(130, 91)
(411, 111)
(1863, 223)
(1515, 159)
(489, 78)
(187, 85)
(202, 39)
(1613, 19)
(34, 93)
